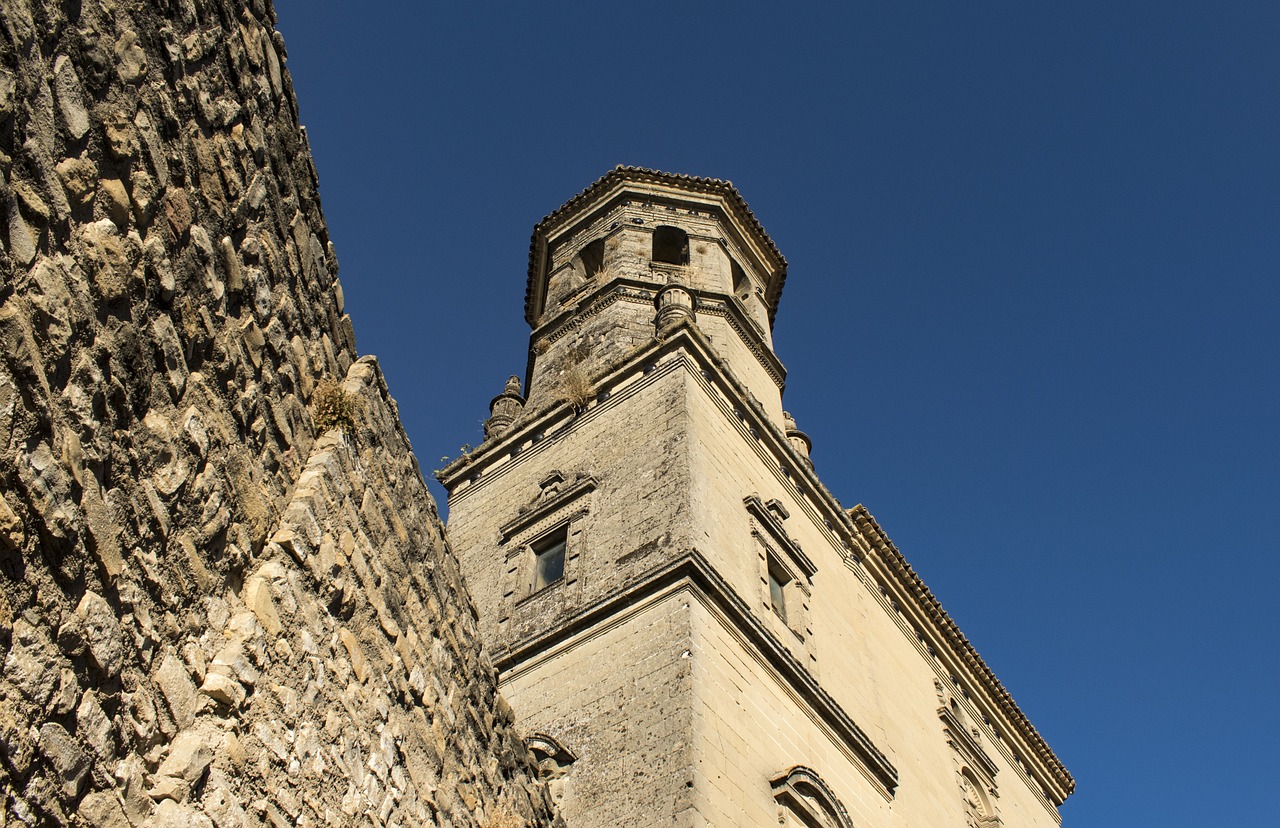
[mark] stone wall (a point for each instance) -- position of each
(225, 594)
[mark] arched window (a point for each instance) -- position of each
(670, 245)
(977, 802)
(805, 801)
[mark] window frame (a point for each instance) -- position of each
(554, 542)
(556, 512)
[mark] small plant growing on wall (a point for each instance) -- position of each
(576, 388)
(333, 407)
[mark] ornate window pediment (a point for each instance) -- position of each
(805, 801)
(768, 519)
(976, 772)
(544, 540)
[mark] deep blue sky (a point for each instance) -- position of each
(1029, 322)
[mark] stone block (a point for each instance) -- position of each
(223, 689)
(189, 756)
(102, 809)
(32, 663)
(178, 690)
(102, 631)
(65, 755)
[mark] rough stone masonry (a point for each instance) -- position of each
(225, 594)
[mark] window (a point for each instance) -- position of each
(544, 540)
(741, 287)
(549, 559)
(786, 577)
(592, 257)
(670, 245)
(778, 580)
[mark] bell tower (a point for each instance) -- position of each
(690, 628)
(636, 239)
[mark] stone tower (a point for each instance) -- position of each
(690, 628)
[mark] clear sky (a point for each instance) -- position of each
(1030, 320)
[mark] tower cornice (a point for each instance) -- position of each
(659, 185)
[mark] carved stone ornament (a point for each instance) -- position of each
(675, 306)
(554, 763)
(805, 801)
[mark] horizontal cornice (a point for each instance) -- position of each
(923, 598)
(853, 533)
(693, 569)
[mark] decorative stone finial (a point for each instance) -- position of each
(675, 304)
(797, 438)
(503, 409)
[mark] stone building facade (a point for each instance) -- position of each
(691, 629)
(226, 597)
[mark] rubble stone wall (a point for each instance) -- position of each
(224, 601)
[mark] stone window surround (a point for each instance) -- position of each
(783, 560)
(559, 505)
(975, 769)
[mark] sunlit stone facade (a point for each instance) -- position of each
(689, 626)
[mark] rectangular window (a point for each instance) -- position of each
(778, 590)
(549, 559)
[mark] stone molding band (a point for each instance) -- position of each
(693, 569)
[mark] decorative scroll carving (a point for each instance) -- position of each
(805, 800)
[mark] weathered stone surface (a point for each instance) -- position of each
(131, 59)
(170, 814)
(170, 519)
(178, 690)
(223, 689)
(93, 726)
(189, 756)
(102, 632)
(101, 809)
(115, 201)
(32, 663)
(75, 116)
(68, 760)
